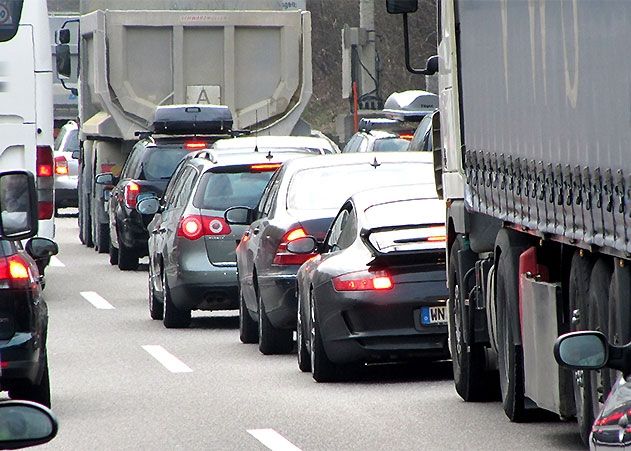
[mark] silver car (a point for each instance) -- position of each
(66, 156)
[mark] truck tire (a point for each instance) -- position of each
(127, 258)
(248, 328)
(102, 239)
(85, 232)
(468, 362)
(174, 318)
(510, 354)
(113, 254)
(271, 339)
(580, 275)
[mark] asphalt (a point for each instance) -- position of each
(110, 393)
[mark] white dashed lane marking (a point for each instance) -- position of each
(168, 360)
(96, 300)
(55, 262)
(273, 440)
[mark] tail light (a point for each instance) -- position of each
(284, 257)
(61, 165)
(45, 167)
(193, 227)
(434, 234)
(132, 189)
(363, 281)
(407, 136)
(14, 272)
(264, 167)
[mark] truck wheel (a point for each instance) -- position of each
(174, 318)
(468, 362)
(271, 339)
(85, 224)
(578, 288)
(127, 258)
(510, 354)
(102, 240)
(38, 392)
(113, 254)
(248, 328)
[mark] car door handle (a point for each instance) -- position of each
(256, 231)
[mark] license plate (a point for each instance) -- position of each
(433, 316)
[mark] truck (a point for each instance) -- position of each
(252, 55)
(530, 145)
(26, 102)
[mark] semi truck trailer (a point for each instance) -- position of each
(533, 155)
(252, 55)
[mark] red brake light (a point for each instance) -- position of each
(45, 161)
(264, 167)
(363, 281)
(407, 136)
(195, 145)
(132, 189)
(61, 165)
(283, 257)
(193, 227)
(14, 272)
(434, 234)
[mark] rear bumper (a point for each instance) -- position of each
(134, 235)
(21, 355)
(209, 288)
(381, 326)
(279, 296)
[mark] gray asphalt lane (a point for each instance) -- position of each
(109, 393)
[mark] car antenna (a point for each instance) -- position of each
(269, 155)
(375, 164)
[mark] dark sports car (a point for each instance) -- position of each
(377, 291)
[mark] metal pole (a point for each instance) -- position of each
(368, 51)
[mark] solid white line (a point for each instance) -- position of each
(96, 300)
(55, 262)
(168, 360)
(273, 440)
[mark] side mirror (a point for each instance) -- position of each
(239, 215)
(41, 248)
(401, 6)
(18, 205)
(63, 36)
(584, 350)
(24, 424)
(105, 178)
(148, 206)
(304, 245)
(62, 56)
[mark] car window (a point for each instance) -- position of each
(172, 200)
(391, 145)
(363, 144)
(170, 189)
(343, 230)
(351, 146)
(185, 189)
(133, 162)
(159, 162)
(222, 190)
(265, 196)
(419, 141)
(336, 184)
(270, 199)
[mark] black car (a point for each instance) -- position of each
(147, 172)
(377, 291)
(23, 311)
(302, 199)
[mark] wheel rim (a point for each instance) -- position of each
(312, 335)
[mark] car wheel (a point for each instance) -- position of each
(39, 392)
(468, 361)
(271, 339)
(113, 254)
(248, 328)
(174, 318)
(127, 258)
(156, 308)
(323, 369)
(304, 359)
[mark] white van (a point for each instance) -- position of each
(26, 99)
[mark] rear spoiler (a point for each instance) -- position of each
(366, 234)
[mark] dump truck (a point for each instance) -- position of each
(533, 135)
(252, 55)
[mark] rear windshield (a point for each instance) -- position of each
(10, 13)
(405, 212)
(329, 187)
(160, 162)
(220, 191)
(391, 145)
